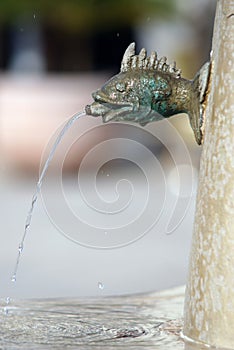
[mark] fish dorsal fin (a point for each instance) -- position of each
(131, 61)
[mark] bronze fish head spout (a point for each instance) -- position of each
(147, 89)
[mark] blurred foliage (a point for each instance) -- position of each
(78, 15)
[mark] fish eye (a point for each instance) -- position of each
(120, 87)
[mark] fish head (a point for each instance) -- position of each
(137, 92)
(118, 99)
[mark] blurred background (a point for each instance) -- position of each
(53, 55)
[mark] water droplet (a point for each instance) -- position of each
(5, 310)
(101, 285)
(34, 16)
(13, 278)
(107, 174)
(117, 35)
(106, 232)
(20, 248)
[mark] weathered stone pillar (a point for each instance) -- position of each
(209, 303)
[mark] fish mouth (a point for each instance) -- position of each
(107, 108)
(107, 101)
(96, 109)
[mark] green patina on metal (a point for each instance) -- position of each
(148, 89)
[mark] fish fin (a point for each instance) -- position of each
(199, 84)
(131, 61)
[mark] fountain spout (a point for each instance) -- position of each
(148, 89)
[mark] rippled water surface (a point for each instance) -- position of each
(131, 322)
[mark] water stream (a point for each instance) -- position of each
(58, 140)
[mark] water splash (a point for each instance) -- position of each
(59, 138)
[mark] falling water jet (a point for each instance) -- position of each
(59, 138)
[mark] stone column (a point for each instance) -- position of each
(209, 302)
